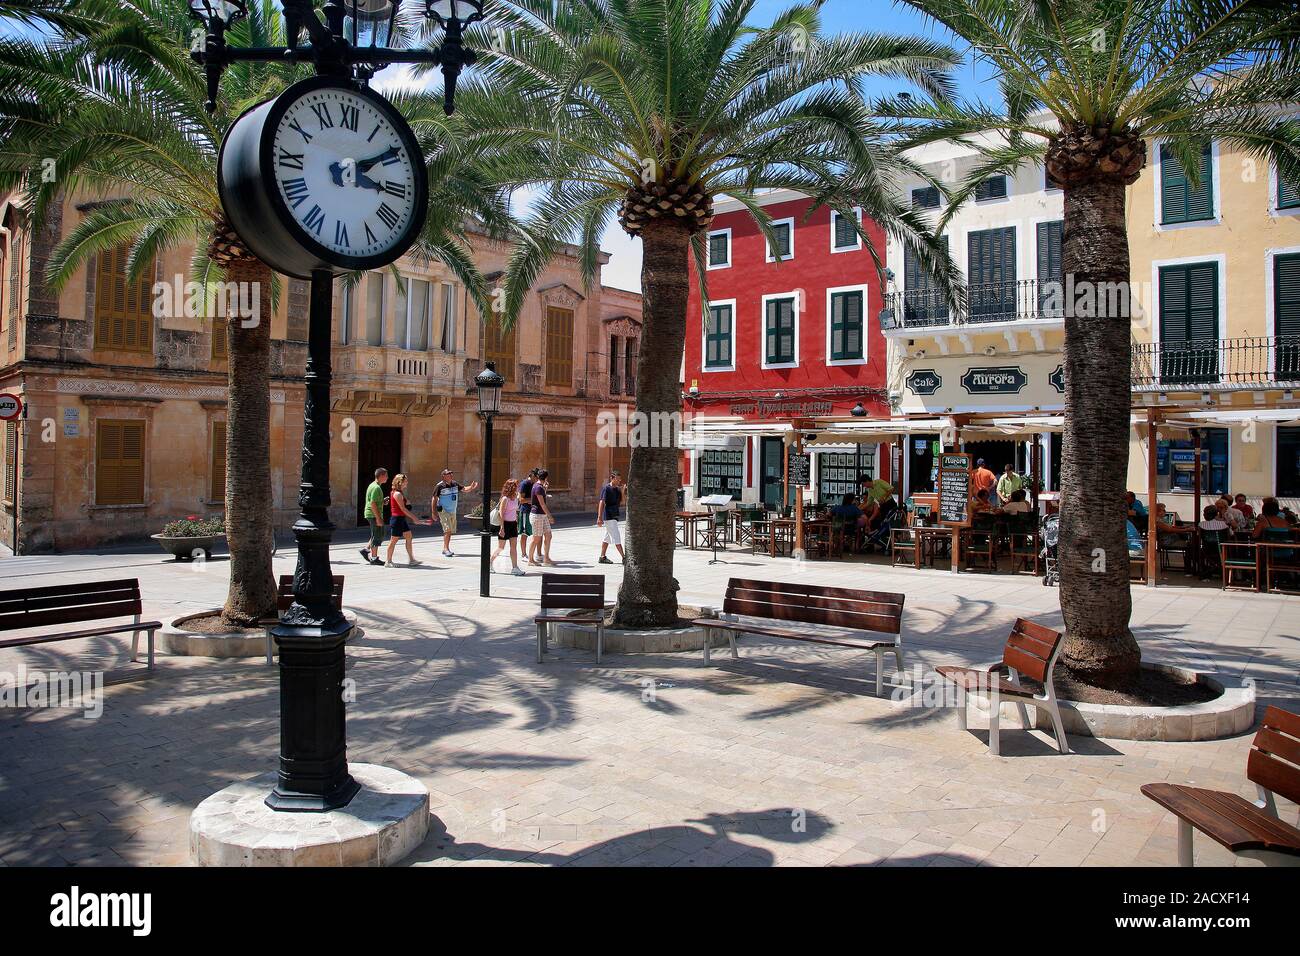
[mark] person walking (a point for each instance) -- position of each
(508, 529)
(542, 519)
(400, 522)
(608, 514)
(525, 510)
(446, 497)
(375, 516)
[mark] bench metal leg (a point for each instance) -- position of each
(1266, 801)
(962, 700)
(1061, 741)
(1024, 715)
(1184, 843)
(995, 725)
(541, 641)
(270, 641)
(151, 633)
(880, 666)
(731, 639)
(135, 647)
(708, 640)
(600, 640)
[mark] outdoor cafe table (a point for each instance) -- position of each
(687, 523)
(929, 537)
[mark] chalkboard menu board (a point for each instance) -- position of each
(800, 467)
(721, 472)
(837, 473)
(954, 489)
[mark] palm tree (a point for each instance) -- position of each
(648, 109)
(1085, 85)
(108, 90)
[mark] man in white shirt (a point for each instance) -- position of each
(1230, 516)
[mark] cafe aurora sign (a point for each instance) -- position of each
(924, 381)
(1057, 378)
(1001, 380)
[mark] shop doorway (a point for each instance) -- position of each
(376, 448)
(922, 464)
(997, 455)
(772, 471)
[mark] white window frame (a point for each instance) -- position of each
(347, 313)
(1158, 188)
(429, 317)
(866, 300)
(447, 328)
(1273, 180)
(787, 221)
(762, 328)
(857, 211)
(1221, 261)
(704, 338)
(709, 267)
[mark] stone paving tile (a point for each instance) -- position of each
(563, 764)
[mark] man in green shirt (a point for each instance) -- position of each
(1009, 484)
(375, 515)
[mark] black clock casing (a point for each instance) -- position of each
(257, 211)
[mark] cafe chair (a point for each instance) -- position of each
(905, 547)
(1022, 534)
(1281, 557)
(1239, 557)
(980, 543)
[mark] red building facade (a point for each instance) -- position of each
(788, 333)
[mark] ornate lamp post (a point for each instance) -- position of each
(263, 182)
(353, 41)
(489, 384)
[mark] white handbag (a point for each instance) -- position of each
(495, 517)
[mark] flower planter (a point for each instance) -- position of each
(185, 548)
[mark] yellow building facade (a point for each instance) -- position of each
(1216, 334)
(126, 389)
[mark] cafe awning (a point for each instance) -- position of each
(871, 431)
(729, 434)
(1021, 427)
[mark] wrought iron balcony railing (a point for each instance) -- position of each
(1259, 362)
(987, 303)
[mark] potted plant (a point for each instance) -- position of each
(185, 537)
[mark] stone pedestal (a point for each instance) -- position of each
(385, 821)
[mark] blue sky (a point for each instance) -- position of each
(838, 16)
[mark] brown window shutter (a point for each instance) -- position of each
(217, 487)
(557, 459)
(11, 460)
(123, 311)
(501, 440)
(119, 462)
(559, 347)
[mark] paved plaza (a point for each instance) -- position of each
(783, 757)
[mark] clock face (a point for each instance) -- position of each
(344, 172)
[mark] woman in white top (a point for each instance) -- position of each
(1017, 505)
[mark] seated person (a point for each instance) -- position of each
(1166, 523)
(1270, 516)
(1236, 521)
(1135, 548)
(1210, 520)
(1017, 505)
(1240, 504)
(848, 510)
(1290, 516)
(980, 503)
(1136, 510)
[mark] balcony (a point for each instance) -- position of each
(1217, 364)
(392, 369)
(988, 304)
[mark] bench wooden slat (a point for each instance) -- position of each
(89, 632)
(812, 615)
(815, 600)
(1275, 754)
(23, 608)
(88, 612)
(79, 599)
(793, 635)
(1230, 820)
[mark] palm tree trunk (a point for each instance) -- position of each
(249, 508)
(648, 595)
(1095, 602)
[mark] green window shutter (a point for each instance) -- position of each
(1173, 304)
(1288, 192)
(846, 236)
(925, 197)
(923, 304)
(1286, 317)
(846, 326)
(779, 329)
(718, 337)
(1049, 261)
(1178, 201)
(995, 187)
(781, 250)
(718, 251)
(1203, 302)
(1189, 322)
(991, 269)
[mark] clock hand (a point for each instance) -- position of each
(389, 153)
(365, 182)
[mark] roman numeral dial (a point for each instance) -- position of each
(345, 173)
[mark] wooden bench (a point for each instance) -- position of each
(874, 611)
(25, 608)
(570, 592)
(1247, 829)
(284, 598)
(1031, 650)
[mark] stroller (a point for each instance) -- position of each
(1051, 536)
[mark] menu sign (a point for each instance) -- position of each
(954, 489)
(800, 469)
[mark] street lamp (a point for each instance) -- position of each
(354, 40)
(489, 384)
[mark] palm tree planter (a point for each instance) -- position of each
(645, 110)
(1086, 84)
(184, 539)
